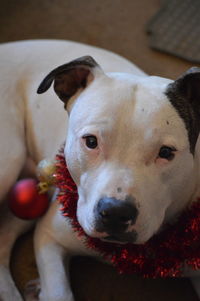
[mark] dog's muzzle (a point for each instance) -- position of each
(113, 217)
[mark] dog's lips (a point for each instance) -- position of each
(113, 240)
(129, 237)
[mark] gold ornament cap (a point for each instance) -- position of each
(46, 174)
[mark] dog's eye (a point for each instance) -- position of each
(90, 141)
(167, 152)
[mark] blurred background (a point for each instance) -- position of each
(119, 26)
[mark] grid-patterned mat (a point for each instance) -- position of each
(175, 29)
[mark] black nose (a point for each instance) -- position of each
(114, 216)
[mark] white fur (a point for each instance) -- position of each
(132, 119)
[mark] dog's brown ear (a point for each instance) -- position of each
(71, 77)
(188, 86)
(184, 95)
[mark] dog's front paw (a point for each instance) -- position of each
(32, 290)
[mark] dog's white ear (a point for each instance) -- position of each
(71, 77)
(184, 95)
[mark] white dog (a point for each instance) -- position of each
(131, 147)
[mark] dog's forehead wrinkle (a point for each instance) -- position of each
(104, 108)
(158, 113)
(117, 94)
(92, 127)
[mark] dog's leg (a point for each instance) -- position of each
(54, 240)
(12, 159)
(53, 279)
(10, 228)
(8, 290)
(196, 284)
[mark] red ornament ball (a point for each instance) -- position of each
(25, 201)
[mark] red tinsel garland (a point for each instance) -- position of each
(164, 255)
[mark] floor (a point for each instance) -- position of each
(119, 26)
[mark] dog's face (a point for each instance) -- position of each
(129, 148)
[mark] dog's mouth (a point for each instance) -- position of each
(129, 237)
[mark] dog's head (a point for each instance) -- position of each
(130, 147)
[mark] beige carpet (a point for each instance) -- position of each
(118, 26)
